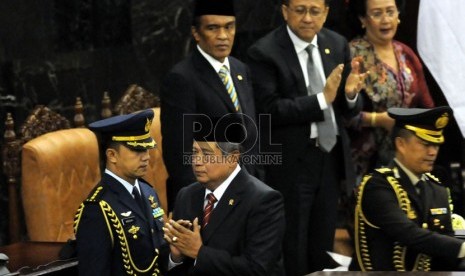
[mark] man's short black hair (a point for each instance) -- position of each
(400, 132)
(286, 2)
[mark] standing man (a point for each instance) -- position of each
(119, 226)
(301, 77)
(403, 213)
(237, 220)
(208, 82)
(297, 71)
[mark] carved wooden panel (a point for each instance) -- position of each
(40, 121)
(134, 99)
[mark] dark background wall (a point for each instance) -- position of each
(54, 50)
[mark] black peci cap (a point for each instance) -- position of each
(132, 130)
(214, 7)
(427, 124)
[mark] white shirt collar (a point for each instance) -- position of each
(219, 191)
(300, 44)
(214, 62)
(126, 184)
(413, 178)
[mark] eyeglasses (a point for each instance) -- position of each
(378, 15)
(302, 11)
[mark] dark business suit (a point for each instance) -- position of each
(244, 233)
(193, 87)
(109, 209)
(308, 177)
(391, 218)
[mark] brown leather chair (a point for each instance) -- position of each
(59, 169)
(40, 121)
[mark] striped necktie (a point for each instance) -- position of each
(208, 209)
(227, 81)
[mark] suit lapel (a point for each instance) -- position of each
(325, 52)
(145, 193)
(230, 199)
(410, 189)
(290, 56)
(428, 196)
(212, 79)
(197, 199)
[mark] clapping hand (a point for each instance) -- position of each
(332, 83)
(184, 238)
(356, 79)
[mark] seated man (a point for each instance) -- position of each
(237, 221)
(403, 213)
(119, 226)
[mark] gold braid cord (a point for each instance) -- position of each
(77, 217)
(113, 222)
(129, 265)
(422, 262)
(361, 245)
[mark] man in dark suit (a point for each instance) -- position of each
(119, 226)
(237, 221)
(403, 212)
(208, 82)
(301, 77)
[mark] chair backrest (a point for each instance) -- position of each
(157, 173)
(59, 169)
(41, 120)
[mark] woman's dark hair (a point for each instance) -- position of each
(358, 8)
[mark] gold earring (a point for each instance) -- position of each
(398, 21)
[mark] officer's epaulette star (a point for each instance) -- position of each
(95, 195)
(433, 178)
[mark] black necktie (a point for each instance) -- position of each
(138, 198)
(421, 188)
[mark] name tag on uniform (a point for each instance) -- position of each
(128, 220)
(438, 211)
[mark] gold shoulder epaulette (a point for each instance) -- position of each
(95, 195)
(433, 178)
(384, 170)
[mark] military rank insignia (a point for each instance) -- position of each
(153, 203)
(157, 211)
(133, 230)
